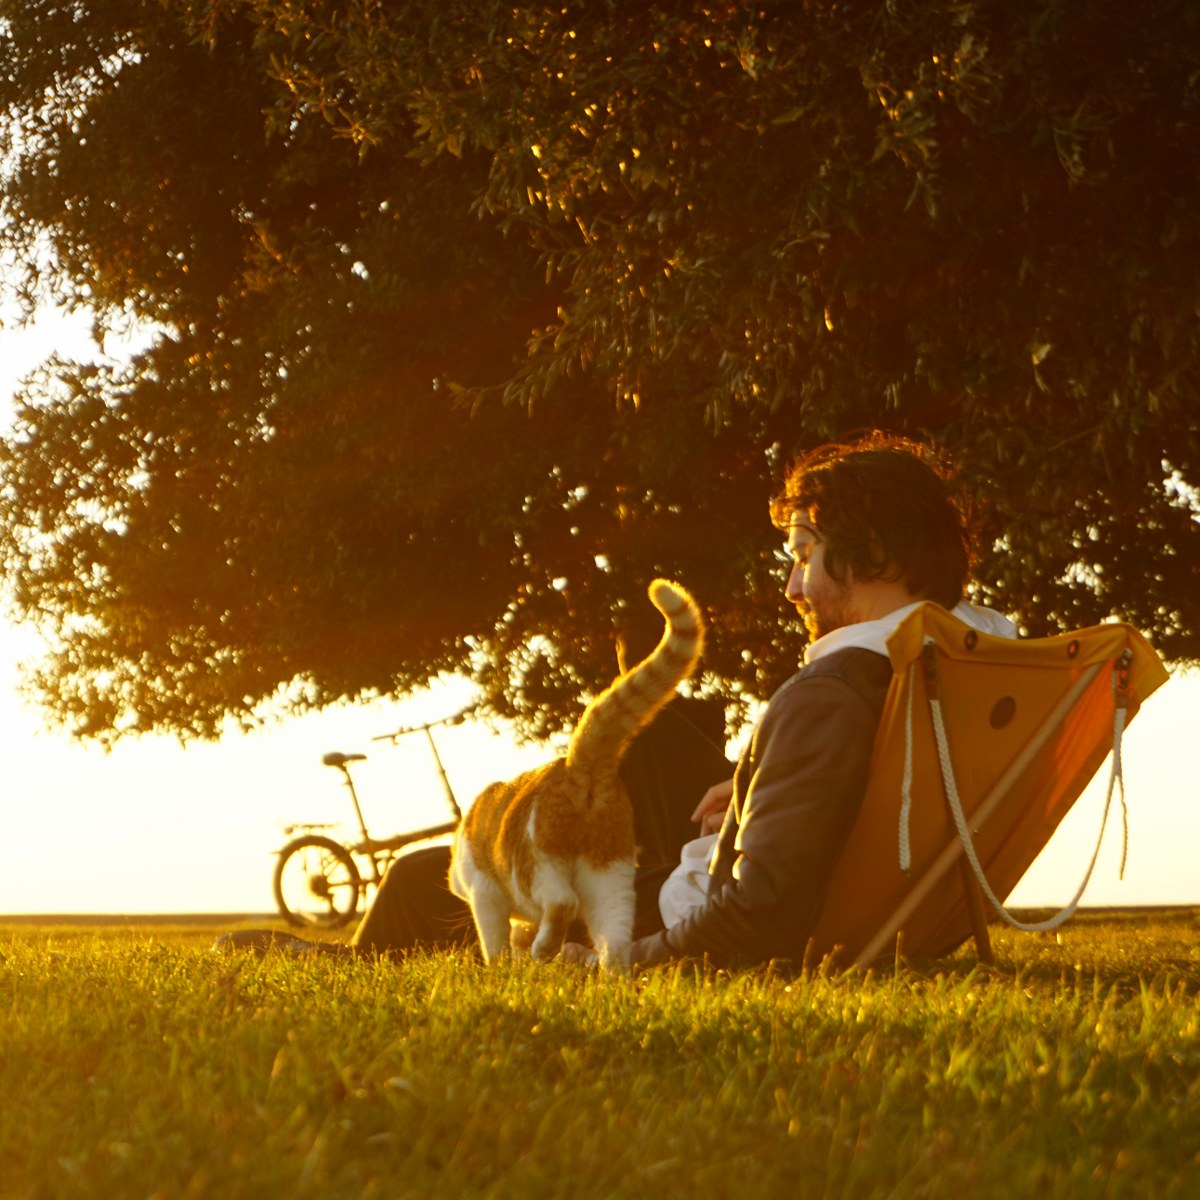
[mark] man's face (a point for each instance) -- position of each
(823, 603)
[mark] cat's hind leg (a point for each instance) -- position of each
(606, 900)
(555, 898)
(553, 931)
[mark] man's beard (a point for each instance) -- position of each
(827, 609)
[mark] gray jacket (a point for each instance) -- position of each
(797, 790)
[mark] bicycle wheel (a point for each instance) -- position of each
(316, 882)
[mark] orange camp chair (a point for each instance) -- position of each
(1006, 732)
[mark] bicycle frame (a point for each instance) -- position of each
(379, 852)
(334, 880)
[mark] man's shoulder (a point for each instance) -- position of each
(854, 662)
(862, 672)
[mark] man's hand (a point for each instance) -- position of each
(710, 812)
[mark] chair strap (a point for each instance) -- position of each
(906, 779)
(950, 786)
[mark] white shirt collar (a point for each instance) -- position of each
(873, 635)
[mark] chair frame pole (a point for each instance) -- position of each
(978, 914)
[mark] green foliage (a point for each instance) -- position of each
(145, 1064)
(473, 318)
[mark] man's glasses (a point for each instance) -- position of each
(791, 555)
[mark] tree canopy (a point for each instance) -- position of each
(471, 318)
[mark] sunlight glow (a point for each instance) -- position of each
(152, 826)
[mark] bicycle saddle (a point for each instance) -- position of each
(334, 759)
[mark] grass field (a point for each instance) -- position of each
(135, 1063)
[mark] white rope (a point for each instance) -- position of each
(1118, 772)
(906, 781)
(951, 788)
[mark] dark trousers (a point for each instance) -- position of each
(666, 771)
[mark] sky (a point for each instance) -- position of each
(154, 826)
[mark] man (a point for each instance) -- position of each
(872, 531)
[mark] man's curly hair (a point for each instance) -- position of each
(884, 508)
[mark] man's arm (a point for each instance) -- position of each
(809, 761)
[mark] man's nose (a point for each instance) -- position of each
(795, 583)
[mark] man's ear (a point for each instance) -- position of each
(882, 568)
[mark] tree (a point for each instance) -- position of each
(474, 317)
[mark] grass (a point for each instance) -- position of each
(134, 1063)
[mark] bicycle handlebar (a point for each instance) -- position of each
(453, 719)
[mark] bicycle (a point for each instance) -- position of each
(317, 881)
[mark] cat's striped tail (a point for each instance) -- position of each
(614, 717)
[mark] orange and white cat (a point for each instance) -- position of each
(557, 842)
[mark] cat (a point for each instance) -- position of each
(557, 842)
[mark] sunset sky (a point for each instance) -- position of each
(157, 827)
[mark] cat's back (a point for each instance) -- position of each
(499, 817)
(553, 812)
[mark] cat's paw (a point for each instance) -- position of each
(573, 952)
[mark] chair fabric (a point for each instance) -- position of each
(1034, 716)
